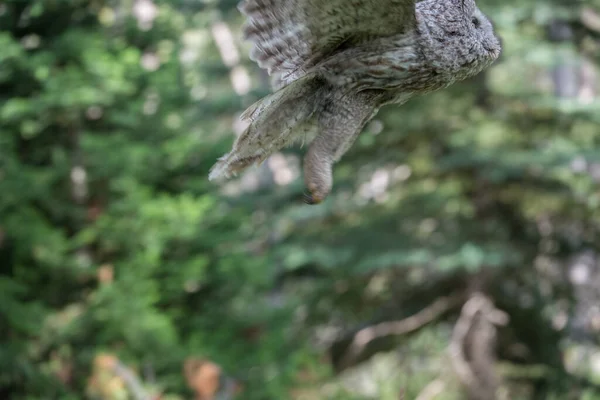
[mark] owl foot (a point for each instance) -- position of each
(318, 177)
(316, 192)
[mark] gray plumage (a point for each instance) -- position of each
(334, 63)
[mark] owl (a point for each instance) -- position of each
(335, 63)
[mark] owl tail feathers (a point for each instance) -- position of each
(275, 121)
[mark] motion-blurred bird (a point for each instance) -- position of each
(335, 63)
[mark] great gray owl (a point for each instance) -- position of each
(334, 63)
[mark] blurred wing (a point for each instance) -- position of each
(290, 36)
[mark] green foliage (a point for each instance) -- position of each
(113, 241)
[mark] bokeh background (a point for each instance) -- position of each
(457, 257)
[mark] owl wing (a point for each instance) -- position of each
(290, 36)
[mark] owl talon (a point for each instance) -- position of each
(311, 199)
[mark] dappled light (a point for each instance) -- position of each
(457, 255)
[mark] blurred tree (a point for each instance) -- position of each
(459, 249)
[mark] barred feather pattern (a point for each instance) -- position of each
(390, 65)
(290, 36)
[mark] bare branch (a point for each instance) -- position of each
(472, 346)
(430, 313)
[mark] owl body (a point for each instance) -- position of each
(335, 64)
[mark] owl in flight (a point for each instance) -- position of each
(335, 63)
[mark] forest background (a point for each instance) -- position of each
(456, 258)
